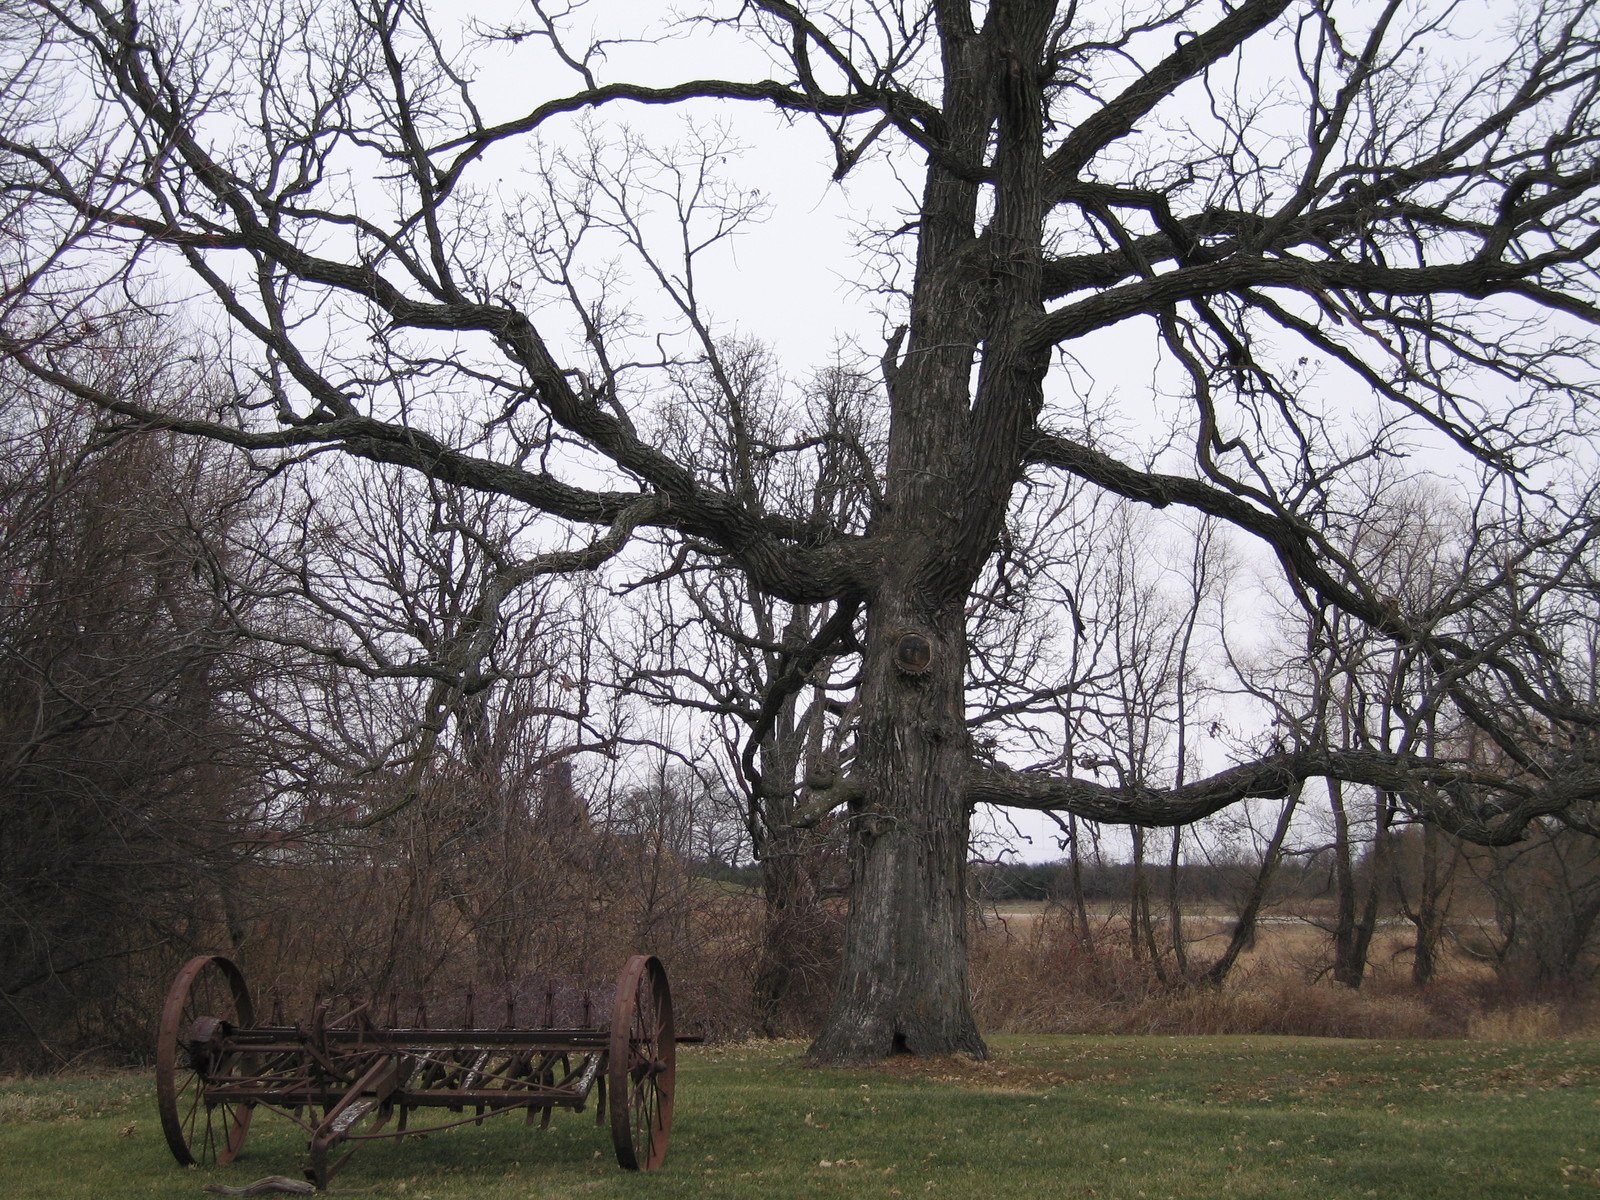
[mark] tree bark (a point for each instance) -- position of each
(903, 981)
(1431, 908)
(778, 847)
(1180, 955)
(1353, 933)
(1348, 968)
(1244, 926)
(1080, 907)
(792, 939)
(780, 891)
(956, 448)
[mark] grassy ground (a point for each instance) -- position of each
(1134, 1118)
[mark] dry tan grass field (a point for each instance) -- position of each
(1033, 973)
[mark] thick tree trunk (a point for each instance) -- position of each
(956, 449)
(903, 981)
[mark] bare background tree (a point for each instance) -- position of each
(764, 670)
(131, 783)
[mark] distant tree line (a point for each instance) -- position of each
(1111, 882)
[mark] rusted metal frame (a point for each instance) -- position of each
(569, 1072)
(470, 1060)
(372, 1090)
(287, 1083)
(392, 1135)
(317, 1054)
(359, 1073)
(478, 1086)
(289, 1038)
(518, 1089)
(520, 1071)
(593, 1064)
(497, 1103)
(545, 1074)
(499, 1097)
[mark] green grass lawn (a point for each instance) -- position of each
(1060, 1116)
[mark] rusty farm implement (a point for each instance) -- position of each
(351, 1075)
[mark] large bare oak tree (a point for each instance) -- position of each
(1344, 233)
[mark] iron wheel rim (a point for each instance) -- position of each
(199, 1132)
(642, 1067)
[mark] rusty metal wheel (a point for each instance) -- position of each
(207, 999)
(643, 1064)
